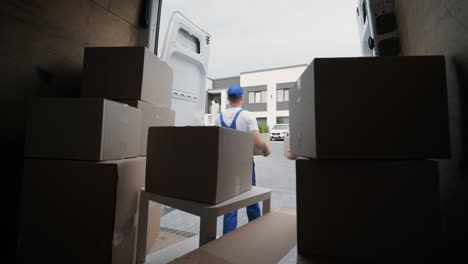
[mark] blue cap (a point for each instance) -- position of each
(235, 91)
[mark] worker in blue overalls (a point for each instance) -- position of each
(237, 118)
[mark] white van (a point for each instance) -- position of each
(186, 50)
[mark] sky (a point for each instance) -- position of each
(248, 35)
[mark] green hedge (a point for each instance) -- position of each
(263, 128)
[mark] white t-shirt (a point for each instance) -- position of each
(245, 122)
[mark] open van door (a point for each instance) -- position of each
(186, 50)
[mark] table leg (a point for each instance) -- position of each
(142, 228)
(207, 229)
(266, 206)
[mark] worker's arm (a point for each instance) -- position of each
(291, 156)
(260, 143)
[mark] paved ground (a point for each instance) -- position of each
(274, 172)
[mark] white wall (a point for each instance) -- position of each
(209, 84)
(224, 100)
(260, 114)
(271, 78)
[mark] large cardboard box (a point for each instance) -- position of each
(132, 73)
(151, 115)
(371, 108)
(266, 138)
(82, 129)
(154, 225)
(368, 211)
(286, 146)
(201, 164)
(78, 211)
(266, 240)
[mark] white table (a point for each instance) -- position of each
(208, 213)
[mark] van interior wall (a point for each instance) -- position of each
(441, 27)
(41, 50)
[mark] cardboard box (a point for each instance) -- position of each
(154, 224)
(368, 211)
(371, 108)
(266, 240)
(259, 152)
(82, 129)
(78, 211)
(151, 116)
(131, 73)
(286, 146)
(202, 164)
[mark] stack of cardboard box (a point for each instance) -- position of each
(85, 160)
(134, 76)
(366, 127)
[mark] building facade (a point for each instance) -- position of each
(266, 92)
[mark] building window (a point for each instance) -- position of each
(279, 95)
(282, 120)
(251, 97)
(257, 97)
(282, 95)
(261, 120)
(264, 96)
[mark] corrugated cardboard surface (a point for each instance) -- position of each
(266, 240)
(151, 116)
(371, 108)
(235, 163)
(121, 135)
(154, 221)
(286, 146)
(129, 73)
(79, 212)
(368, 210)
(201, 164)
(82, 129)
(302, 120)
(113, 72)
(157, 81)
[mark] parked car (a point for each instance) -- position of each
(279, 131)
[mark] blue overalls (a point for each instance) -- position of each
(253, 211)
